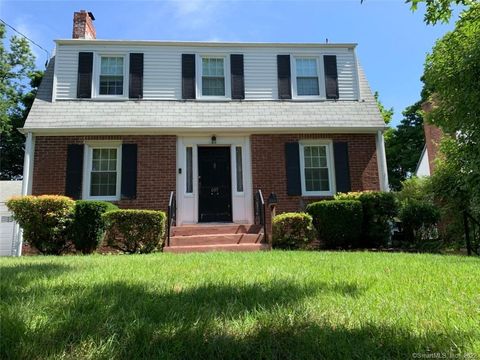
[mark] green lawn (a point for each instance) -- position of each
(281, 305)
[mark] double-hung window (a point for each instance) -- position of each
(103, 166)
(316, 169)
(111, 75)
(213, 76)
(306, 71)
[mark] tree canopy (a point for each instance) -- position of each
(452, 77)
(438, 10)
(18, 83)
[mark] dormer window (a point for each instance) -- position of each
(306, 76)
(213, 76)
(111, 81)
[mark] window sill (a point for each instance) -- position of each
(102, 198)
(318, 194)
(109, 98)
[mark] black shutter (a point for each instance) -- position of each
(84, 78)
(135, 89)
(292, 162)
(283, 71)
(342, 168)
(188, 76)
(74, 174)
(236, 69)
(129, 171)
(331, 77)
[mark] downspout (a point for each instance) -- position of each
(382, 162)
(27, 181)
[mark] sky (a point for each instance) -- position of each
(392, 40)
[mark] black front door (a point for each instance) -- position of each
(214, 184)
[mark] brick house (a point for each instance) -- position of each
(132, 121)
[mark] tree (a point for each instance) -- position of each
(439, 10)
(18, 83)
(404, 146)
(452, 73)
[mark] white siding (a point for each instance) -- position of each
(162, 68)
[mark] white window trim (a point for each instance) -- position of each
(233, 162)
(96, 76)
(87, 166)
(226, 74)
(186, 193)
(330, 166)
(321, 77)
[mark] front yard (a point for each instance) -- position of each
(240, 305)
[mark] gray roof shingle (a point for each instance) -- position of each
(145, 115)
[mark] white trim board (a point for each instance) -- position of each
(187, 203)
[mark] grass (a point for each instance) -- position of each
(280, 305)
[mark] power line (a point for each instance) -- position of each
(26, 37)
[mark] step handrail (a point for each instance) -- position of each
(260, 213)
(171, 215)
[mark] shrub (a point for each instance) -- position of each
(379, 210)
(292, 230)
(419, 220)
(88, 225)
(338, 222)
(135, 231)
(45, 220)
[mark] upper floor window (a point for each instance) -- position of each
(306, 71)
(112, 72)
(213, 76)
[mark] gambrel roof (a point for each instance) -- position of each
(175, 116)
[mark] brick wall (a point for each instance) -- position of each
(268, 165)
(433, 136)
(156, 169)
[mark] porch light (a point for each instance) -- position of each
(214, 139)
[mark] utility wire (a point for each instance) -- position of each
(26, 37)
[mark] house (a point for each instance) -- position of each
(132, 121)
(433, 135)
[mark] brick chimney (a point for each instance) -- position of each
(83, 27)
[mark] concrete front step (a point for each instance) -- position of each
(215, 239)
(210, 229)
(209, 248)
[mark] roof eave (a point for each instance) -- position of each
(196, 131)
(200, 43)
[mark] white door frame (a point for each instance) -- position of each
(187, 203)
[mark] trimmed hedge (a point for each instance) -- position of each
(46, 221)
(419, 220)
(135, 231)
(88, 225)
(379, 211)
(338, 222)
(292, 230)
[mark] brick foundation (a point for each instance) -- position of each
(269, 174)
(156, 169)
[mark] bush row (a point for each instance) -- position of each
(54, 224)
(358, 220)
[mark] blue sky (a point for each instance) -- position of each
(392, 41)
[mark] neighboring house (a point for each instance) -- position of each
(8, 228)
(131, 121)
(426, 164)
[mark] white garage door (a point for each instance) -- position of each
(7, 233)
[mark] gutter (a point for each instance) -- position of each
(199, 130)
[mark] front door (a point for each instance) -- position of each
(214, 184)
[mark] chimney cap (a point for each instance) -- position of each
(91, 15)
